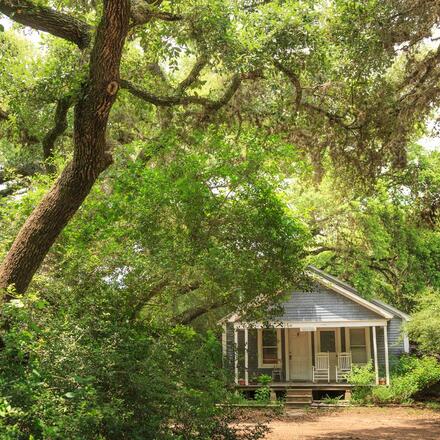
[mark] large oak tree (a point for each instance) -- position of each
(317, 74)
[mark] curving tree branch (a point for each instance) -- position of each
(294, 79)
(143, 11)
(193, 75)
(49, 20)
(60, 24)
(299, 102)
(58, 129)
(191, 315)
(210, 105)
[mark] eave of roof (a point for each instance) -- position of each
(392, 309)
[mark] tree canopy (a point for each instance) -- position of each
(165, 163)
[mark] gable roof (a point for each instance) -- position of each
(346, 290)
(338, 286)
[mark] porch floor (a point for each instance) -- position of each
(305, 385)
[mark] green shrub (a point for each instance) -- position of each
(90, 377)
(264, 379)
(381, 394)
(363, 379)
(424, 327)
(409, 376)
(262, 394)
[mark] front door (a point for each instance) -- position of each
(300, 355)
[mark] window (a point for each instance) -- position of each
(327, 340)
(269, 348)
(358, 346)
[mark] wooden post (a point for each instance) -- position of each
(376, 363)
(246, 356)
(236, 354)
(387, 362)
(286, 353)
(224, 345)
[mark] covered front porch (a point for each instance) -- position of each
(308, 355)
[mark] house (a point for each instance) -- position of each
(314, 343)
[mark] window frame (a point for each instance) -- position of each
(317, 338)
(261, 364)
(367, 343)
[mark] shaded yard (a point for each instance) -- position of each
(356, 424)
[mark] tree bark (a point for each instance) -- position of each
(90, 156)
(49, 20)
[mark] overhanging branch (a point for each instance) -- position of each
(49, 20)
(193, 75)
(299, 102)
(62, 25)
(59, 128)
(210, 105)
(294, 79)
(191, 315)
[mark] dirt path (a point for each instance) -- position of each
(357, 424)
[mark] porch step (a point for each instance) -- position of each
(291, 392)
(298, 398)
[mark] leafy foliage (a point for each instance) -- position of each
(262, 394)
(384, 241)
(424, 325)
(70, 375)
(409, 376)
(363, 378)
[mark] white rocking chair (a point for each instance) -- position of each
(343, 368)
(321, 369)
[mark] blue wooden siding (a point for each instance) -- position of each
(323, 304)
(395, 341)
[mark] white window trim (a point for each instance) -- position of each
(367, 342)
(260, 349)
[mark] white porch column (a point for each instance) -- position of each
(236, 354)
(376, 363)
(387, 362)
(246, 356)
(286, 353)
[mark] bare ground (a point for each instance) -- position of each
(352, 424)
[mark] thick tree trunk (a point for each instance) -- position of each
(90, 153)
